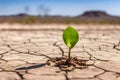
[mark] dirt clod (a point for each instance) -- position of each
(65, 65)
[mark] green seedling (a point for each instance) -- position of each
(70, 37)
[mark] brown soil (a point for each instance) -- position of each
(65, 65)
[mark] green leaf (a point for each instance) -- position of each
(70, 36)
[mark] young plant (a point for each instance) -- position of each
(70, 37)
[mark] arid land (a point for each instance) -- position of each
(24, 50)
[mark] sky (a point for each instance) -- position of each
(59, 7)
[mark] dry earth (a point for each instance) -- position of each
(24, 49)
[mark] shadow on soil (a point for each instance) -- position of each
(31, 67)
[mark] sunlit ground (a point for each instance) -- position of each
(24, 49)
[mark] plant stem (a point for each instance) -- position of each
(69, 54)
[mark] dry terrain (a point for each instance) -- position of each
(24, 49)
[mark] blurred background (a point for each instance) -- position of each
(60, 11)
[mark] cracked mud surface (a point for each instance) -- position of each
(23, 53)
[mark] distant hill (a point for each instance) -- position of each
(95, 14)
(88, 17)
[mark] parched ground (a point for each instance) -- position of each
(25, 49)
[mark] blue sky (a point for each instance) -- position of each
(60, 7)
